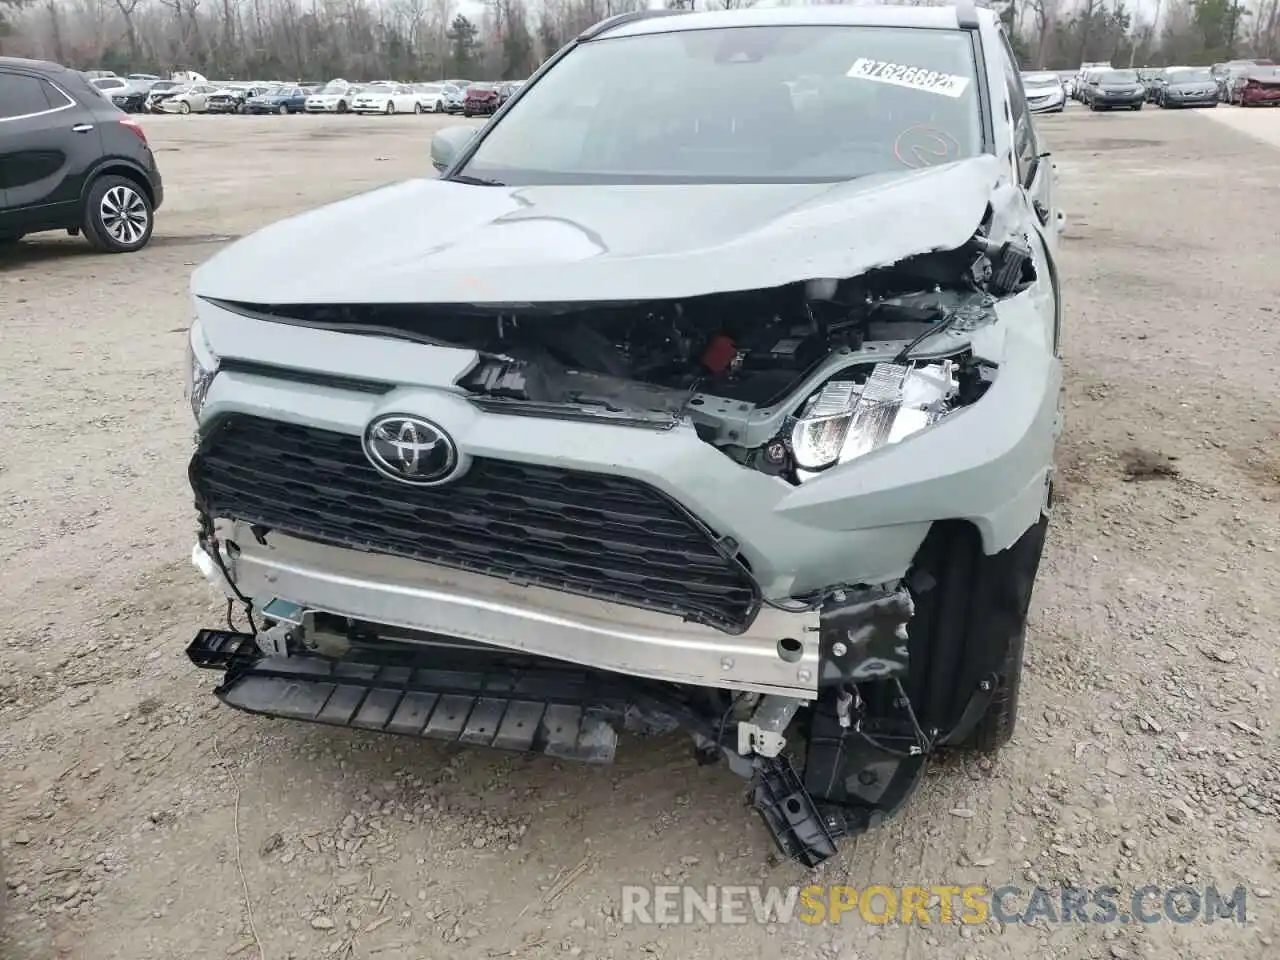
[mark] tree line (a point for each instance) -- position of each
(507, 39)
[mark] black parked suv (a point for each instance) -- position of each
(70, 160)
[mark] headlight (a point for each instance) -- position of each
(845, 420)
(201, 368)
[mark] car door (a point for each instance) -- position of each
(1036, 175)
(47, 144)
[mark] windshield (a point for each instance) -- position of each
(1040, 79)
(332, 90)
(724, 106)
(1191, 76)
(1119, 76)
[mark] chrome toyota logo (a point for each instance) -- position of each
(411, 450)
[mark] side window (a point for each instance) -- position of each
(21, 96)
(1026, 149)
(56, 98)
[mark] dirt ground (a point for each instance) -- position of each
(139, 819)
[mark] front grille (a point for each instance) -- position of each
(591, 534)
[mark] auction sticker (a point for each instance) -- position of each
(914, 78)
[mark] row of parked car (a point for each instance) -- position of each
(1099, 86)
(143, 93)
(1244, 83)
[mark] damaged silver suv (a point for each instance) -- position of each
(713, 386)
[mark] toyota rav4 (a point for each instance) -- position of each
(713, 386)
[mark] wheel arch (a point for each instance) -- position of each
(115, 166)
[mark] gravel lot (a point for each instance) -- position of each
(138, 817)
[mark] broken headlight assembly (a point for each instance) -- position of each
(202, 367)
(846, 419)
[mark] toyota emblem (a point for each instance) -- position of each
(411, 450)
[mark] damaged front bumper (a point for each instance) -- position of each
(393, 646)
(777, 654)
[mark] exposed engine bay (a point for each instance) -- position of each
(789, 380)
(835, 362)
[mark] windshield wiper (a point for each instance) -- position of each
(476, 181)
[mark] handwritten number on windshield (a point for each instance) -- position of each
(921, 145)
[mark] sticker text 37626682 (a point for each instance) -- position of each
(914, 78)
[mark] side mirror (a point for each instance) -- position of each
(448, 143)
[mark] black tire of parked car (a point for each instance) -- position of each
(283, 109)
(132, 202)
(1138, 105)
(970, 623)
(391, 107)
(184, 107)
(342, 106)
(417, 107)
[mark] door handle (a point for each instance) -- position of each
(82, 128)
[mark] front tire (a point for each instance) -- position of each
(1137, 106)
(184, 107)
(391, 107)
(342, 106)
(970, 624)
(417, 107)
(118, 217)
(283, 110)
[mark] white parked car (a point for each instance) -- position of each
(1045, 92)
(334, 97)
(387, 98)
(108, 85)
(189, 99)
(431, 96)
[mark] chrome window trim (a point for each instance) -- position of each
(39, 113)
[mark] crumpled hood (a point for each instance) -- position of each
(438, 241)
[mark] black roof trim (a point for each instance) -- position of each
(45, 67)
(609, 23)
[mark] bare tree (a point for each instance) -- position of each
(1045, 15)
(409, 39)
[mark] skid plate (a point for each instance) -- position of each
(562, 713)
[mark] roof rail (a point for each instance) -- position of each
(966, 14)
(618, 20)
